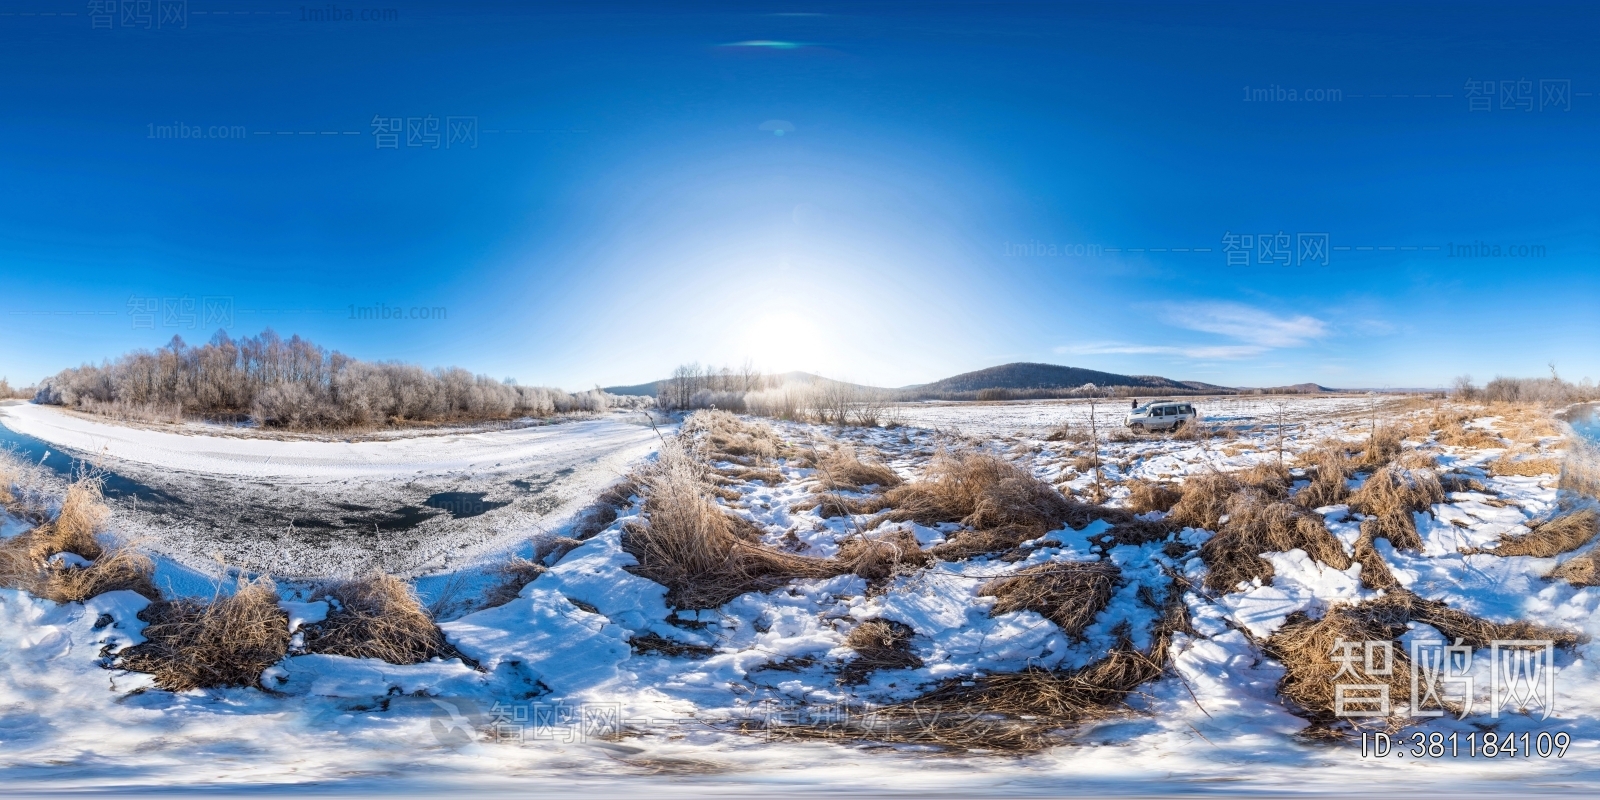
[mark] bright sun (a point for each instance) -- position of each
(780, 340)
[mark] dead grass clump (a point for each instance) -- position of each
(605, 509)
(1329, 467)
(376, 616)
(1067, 432)
(1306, 646)
(880, 558)
(832, 505)
(770, 477)
(1375, 572)
(1070, 593)
(982, 491)
(1458, 482)
(515, 575)
(689, 544)
(1405, 487)
(662, 646)
(1457, 434)
(1478, 632)
(1002, 502)
(1527, 467)
(1014, 712)
(1550, 537)
(28, 561)
(879, 644)
(1136, 532)
(1258, 525)
(1383, 446)
(1146, 496)
(726, 437)
(1204, 501)
(226, 642)
(1584, 570)
(841, 468)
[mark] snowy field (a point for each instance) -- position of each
(560, 701)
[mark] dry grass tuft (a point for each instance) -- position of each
(1002, 502)
(841, 468)
(879, 644)
(1458, 482)
(1583, 570)
(376, 616)
(27, 560)
(1375, 572)
(1014, 712)
(662, 646)
(881, 558)
(1550, 537)
(1329, 467)
(1204, 501)
(1256, 525)
(1069, 593)
(725, 437)
(1405, 487)
(690, 545)
(1146, 496)
(1526, 467)
(1382, 447)
(515, 575)
(1305, 646)
(226, 642)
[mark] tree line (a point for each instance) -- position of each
(296, 384)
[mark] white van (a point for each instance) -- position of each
(1160, 415)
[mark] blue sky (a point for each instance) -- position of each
(889, 193)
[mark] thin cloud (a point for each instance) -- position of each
(1224, 352)
(1245, 323)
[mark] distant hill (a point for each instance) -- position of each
(1025, 376)
(1298, 388)
(1024, 380)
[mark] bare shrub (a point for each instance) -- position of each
(1069, 593)
(1256, 525)
(1145, 496)
(376, 616)
(229, 641)
(1551, 537)
(879, 644)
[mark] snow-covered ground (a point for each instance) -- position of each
(316, 508)
(571, 707)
